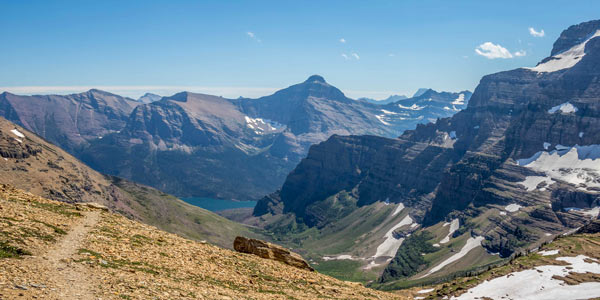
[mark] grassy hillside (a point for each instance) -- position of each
(54, 250)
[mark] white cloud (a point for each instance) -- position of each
(520, 53)
(391, 55)
(350, 56)
(535, 33)
(253, 36)
(343, 40)
(492, 51)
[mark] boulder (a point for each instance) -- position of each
(270, 251)
(92, 205)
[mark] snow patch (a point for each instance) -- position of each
(548, 252)
(512, 207)
(262, 126)
(17, 133)
(398, 209)
(339, 257)
(387, 112)
(460, 100)
(425, 291)
(537, 283)
(546, 145)
(580, 134)
(564, 60)
(454, 225)
(412, 107)
(577, 165)
(380, 118)
(471, 244)
(531, 182)
(390, 245)
(565, 108)
(452, 134)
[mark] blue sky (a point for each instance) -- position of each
(234, 48)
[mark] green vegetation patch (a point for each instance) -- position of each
(409, 259)
(57, 208)
(8, 251)
(348, 270)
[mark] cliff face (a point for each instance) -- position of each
(527, 138)
(70, 121)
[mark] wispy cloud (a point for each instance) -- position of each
(253, 36)
(351, 56)
(535, 33)
(520, 53)
(343, 40)
(492, 51)
(391, 55)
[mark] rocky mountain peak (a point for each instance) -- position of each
(149, 98)
(315, 79)
(574, 35)
(420, 92)
(181, 96)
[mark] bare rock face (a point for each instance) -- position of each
(270, 251)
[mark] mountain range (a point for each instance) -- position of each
(441, 194)
(515, 168)
(30, 163)
(192, 144)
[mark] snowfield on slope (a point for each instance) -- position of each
(565, 108)
(531, 182)
(390, 246)
(566, 59)
(17, 133)
(454, 225)
(577, 165)
(262, 126)
(538, 284)
(471, 244)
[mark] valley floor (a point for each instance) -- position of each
(53, 250)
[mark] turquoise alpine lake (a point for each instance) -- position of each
(218, 204)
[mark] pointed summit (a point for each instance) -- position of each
(315, 78)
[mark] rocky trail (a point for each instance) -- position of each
(54, 274)
(53, 250)
(70, 279)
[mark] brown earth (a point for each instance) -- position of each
(84, 253)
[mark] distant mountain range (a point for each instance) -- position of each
(518, 166)
(390, 99)
(201, 145)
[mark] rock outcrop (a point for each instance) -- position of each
(270, 251)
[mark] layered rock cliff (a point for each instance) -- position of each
(518, 165)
